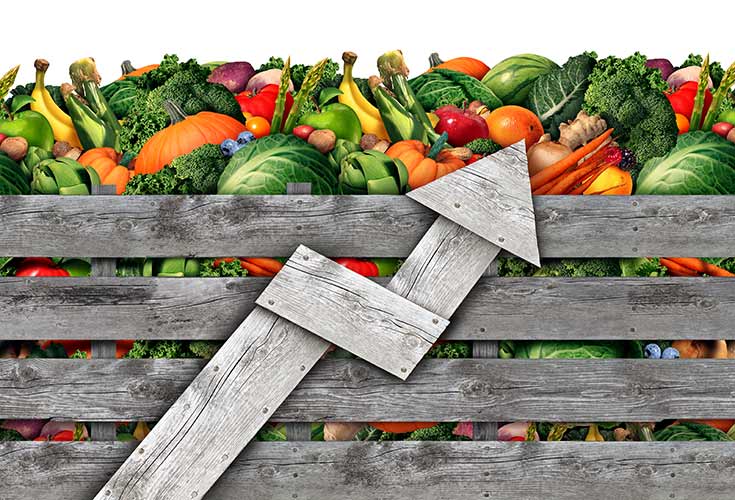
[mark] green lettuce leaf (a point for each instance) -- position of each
(557, 97)
(267, 165)
(700, 163)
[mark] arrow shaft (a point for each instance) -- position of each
(262, 363)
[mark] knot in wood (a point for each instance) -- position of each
(476, 389)
(24, 373)
(125, 226)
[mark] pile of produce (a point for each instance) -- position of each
(591, 126)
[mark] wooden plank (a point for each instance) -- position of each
(486, 349)
(404, 470)
(492, 198)
(352, 312)
(359, 226)
(220, 412)
(497, 308)
(482, 390)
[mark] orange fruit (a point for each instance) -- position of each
(613, 180)
(510, 124)
(682, 122)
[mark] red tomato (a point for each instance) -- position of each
(259, 126)
(63, 436)
(362, 267)
(263, 103)
(39, 267)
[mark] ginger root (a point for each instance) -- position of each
(581, 130)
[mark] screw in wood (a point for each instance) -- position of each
(265, 410)
(216, 368)
(501, 239)
(271, 302)
(457, 205)
(306, 257)
(404, 370)
(141, 451)
(435, 321)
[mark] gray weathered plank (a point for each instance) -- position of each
(404, 471)
(220, 412)
(486, 431)
(491, 198)
(497, 308)
(359, 226)
(335, 303)
(485, 390)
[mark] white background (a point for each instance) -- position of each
(252, 30)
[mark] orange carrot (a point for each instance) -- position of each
(702, 267)
(594, 159)
(676, 269)
(555, 170)
(586, 184)
(570, 180)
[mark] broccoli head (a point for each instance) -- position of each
(159, 349)
(630, 97)
(440, 432)
(579, 268)
(513, 267)
(483, 147)
(167, 69)
(450, 350)
(162, 182)
(198, 172)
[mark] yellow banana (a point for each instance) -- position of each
(368, 114)
(43, 103)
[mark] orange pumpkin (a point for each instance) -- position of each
(613, 180)
(425, 164)
(129, 70)
(185, 134)
(467, 65)
(107, 163)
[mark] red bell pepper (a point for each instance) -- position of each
(683, 100)
(263, 103)
(362, 267)
(40, 267)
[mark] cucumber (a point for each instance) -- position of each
(512, 78)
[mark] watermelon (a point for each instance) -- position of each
(512, 78)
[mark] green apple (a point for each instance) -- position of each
(337, 117)
(32, 126)
(727, 116)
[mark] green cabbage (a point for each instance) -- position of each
(267, 165)
(700, 163)
(561, 349)
(443, 87)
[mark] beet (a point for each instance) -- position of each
(234, 75)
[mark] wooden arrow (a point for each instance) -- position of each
(267, 356)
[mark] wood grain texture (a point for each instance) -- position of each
(352, 312)
(359, 226)
(219, 413)
(403, 471)
(484, 390)
(492, 198)
(497, 308)
(484, 349)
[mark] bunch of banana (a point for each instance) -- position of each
(63, 176)
(34, 156)
(43, 103)
(341, 149)
(370, 119)
(372, 172)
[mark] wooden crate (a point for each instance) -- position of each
(480, 390)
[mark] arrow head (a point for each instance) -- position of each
(491, 198)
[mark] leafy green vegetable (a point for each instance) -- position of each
(643, 267)
(440, 432)
(450, 350)
(513, 267)
(578, 268)
(557, 97)
(223, 269)
(701, 163)
(6, 268)
(204, 348)
(443, 86)
(691, 431)
(630, 97)
(561, 349)
(53, 350)
(169, 67)
(272, 63)
(10, 435)
(159, 349)
(267, 165)
(162, 182)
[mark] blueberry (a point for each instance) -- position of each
(652, 351)
(245, 137)
(670, 353)
(228, 147)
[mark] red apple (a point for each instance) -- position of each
(303, 131)
(722, 128)
(461, 125)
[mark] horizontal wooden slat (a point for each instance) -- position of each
(369, 226)
(485, 390)
(498, 308)
(403, 471)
